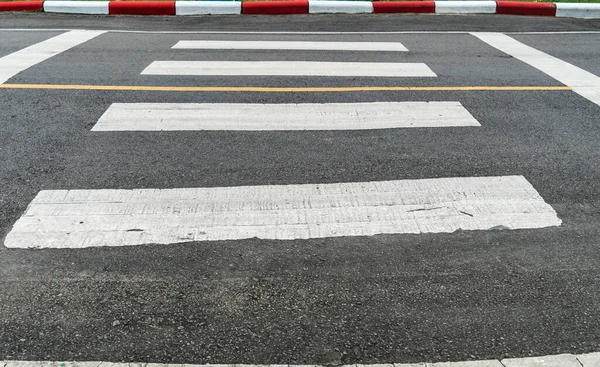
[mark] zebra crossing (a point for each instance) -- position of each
(91, 218)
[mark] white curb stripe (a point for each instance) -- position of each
(339, 6)
(288, 68)
(306, 116)
(90, 218)
(291, 45)
(12, 64)
(76, 7)
(465, 7)
(583, 360)
(575, 10)
(583, 82)
(207, 7)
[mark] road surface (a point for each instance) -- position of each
(437, 201)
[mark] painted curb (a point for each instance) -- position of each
(76, 7)
(403, 7)
(465, 7)
(521, 8)
(141, 8)
(578, 10)
(339, 6)
(22, 6)
(275, 7)
(206, 7)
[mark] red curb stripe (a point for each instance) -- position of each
(22, 6)
(404, 7)
(520, 8)
(275, 7)
(142, 7)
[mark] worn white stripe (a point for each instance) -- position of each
(291, 45)
(288, 68)
(257, 117)
(88, 218)
(583, 82)
(12, 64)
(560, 360)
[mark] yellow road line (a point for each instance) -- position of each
(157, 88)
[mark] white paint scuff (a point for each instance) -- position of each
(12, 64)
(90, 218)
(306, 116)
(288, 68)
(291, 45)
(583, 82)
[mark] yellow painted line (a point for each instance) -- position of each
(157, 88)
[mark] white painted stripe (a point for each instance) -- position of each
(12, 64)
(306, 116)
(89, 218)
(292, 45)
(339, 6)
(465, 7)
(207, 7)
(578, 10)
(288, 68)
(76, 7)
(583, 82)
(583, 360)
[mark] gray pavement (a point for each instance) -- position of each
(386, 298)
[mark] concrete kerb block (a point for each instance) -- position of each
(339, 6)
(561, 360)
(37, 5)
(578, 10)
(207, 7)
(76, 7)
(465, 7)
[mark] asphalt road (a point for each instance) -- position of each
(385, 298)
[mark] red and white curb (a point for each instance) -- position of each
(560, 360)
(569, 10)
